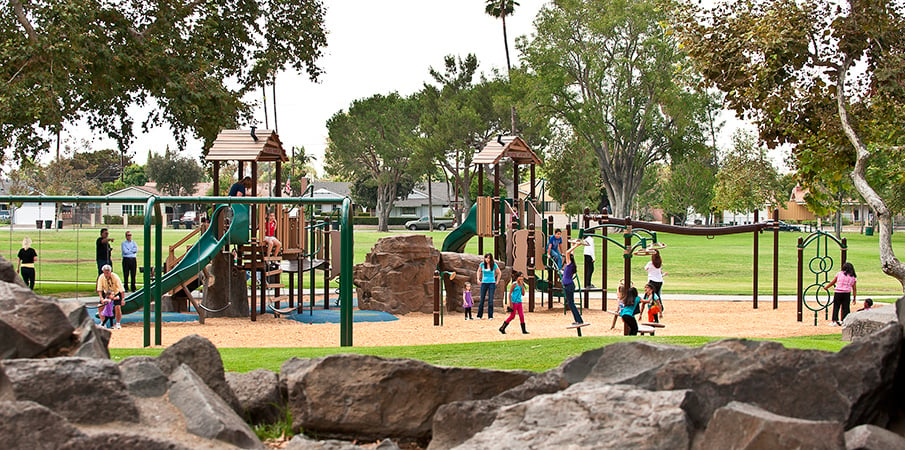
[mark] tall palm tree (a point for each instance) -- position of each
(500, 9)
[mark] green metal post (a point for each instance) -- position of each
(158, 272)
(146, 310)
(345, 274)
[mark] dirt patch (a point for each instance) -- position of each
(682, 318)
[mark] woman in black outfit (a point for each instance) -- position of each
(26, 266)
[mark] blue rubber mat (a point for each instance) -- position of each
(332, 316)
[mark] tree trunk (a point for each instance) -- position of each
(888, 261)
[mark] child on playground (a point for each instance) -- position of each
(568, 283)
(107, 313)
(654, 305)
(655, 274)
(515, 299)
(467, 301)
(629, 308)
(553, 245)
(845, 283)
(868, 304)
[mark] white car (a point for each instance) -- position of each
(190, 217)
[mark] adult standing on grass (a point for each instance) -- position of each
(240, 188)
(844, 293)
(110, 287)
(26, 265)
(130, 259)
(655, 274)
(489, 273)
(103, 250)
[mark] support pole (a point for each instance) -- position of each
(531, 252)
(436, 298)
(480, 194)
(627, 257)
(604, 263)
(585, 224)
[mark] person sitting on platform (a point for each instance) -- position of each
(240, 188)
(110, 287)
(270, 236)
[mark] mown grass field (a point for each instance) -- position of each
(536, 355)
(722, 265)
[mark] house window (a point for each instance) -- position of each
(407, 211)
(134, 210)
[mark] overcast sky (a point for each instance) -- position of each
(372, 47)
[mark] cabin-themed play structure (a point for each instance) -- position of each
(243, 278)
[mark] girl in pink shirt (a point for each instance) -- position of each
(844, 293)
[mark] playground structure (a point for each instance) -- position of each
(820, 266)
(511, 222)
(236, 222)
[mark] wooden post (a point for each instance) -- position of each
(551, 281)
(627, 256)
(436, 298)
(531, 263)
(585, 224)
(496, 213)
(216, 178)
(253, 257)
(278, 180)
(844, 251)
(480, 194)
(327, 267)
(776, 258)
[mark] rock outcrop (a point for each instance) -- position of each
(398, 275)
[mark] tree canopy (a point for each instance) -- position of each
(188, 64)
(375, 139)
(824, 76)
(175, 175)
(613, 72)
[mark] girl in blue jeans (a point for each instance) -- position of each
(488, 273)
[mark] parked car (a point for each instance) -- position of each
(423, 224)
(783, 226)
(190, 218)
(4, 215)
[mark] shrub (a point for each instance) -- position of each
(113, 220)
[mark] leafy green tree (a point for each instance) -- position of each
(134, 176)
(746, 181)
(375, 139)
(175, 175)
(824, 76)
(572, 176)
(688, 182)
(614, 73)
(365, 190)
(91, 60)
(103, 165)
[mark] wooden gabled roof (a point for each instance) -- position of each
(512, 147)
(239, 145)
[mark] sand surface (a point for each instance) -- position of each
(682, 318)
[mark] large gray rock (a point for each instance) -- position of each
(302, 442)
(456, 422)
(623, 361)
(851, 386)
(206, 414)
(861, 324)
(590, 416)
(366, 397)
(143, 378)
(743, 426)
(465, 266)
(397, 276)
(82, 390)
(8, 273)
(872, 437)
(259, 394)
(32, 326)
(115, 440)
(92, 340)
(203, 357)
(28, 425)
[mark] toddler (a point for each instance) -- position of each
(467, 301)
(107, 312)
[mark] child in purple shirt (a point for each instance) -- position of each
(467, 301)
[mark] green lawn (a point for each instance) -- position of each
(722, 265)
(536, 354)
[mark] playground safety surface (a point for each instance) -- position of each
(682, 318)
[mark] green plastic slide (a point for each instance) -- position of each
(199, 255)
(458, 238)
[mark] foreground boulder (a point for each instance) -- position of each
(740, 425)
(92, 340)
(32, 326)
(864, 323)
(397, 276)
(366, 397)
(203, 357)
(590, 415)
(79, 389)
(259, 394)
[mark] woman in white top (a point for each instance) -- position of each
(655, 274)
